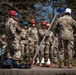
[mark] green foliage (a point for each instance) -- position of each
(72, 4)
(27, 8)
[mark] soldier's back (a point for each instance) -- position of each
(65, 27)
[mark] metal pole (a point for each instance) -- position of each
(45, 36)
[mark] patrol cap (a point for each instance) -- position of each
(68, 10)
(25, 24)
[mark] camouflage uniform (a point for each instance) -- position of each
(47, 47)
(54, 49)
(24, 41)
(41, 36)
(13, 38)
(24, 44)
(51, 46)
(64, 28)
(33, 41)
(75, 42)
(3, 43)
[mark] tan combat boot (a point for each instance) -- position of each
(70, 65)
(61, 64)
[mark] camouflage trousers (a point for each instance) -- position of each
(35, 46)
(65, 49)
(53, 54)
(31, 49)
(24, 47)
(46, 52)
(75, 46)
(41, 52)
(13, 48)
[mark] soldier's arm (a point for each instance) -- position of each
(41, 32)
(48, 34)
(29, 30)
(74, 23)
(74, 26)
(11, 27)
(22, 36)
(18, 29)
(15, 24)
(51, 39)
(55, 26)
(36, 34)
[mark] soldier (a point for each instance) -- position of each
(24, 37)
(24, 40)
(53, 52)
(3, 43)
(33, 38)
(74, 42)
(12, 35)
(64, 27)
(47, 48)
(42, 32)
(51, 46)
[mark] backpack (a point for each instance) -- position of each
(7, 63)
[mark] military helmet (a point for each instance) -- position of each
(17, 14)
(12, 13)
(43, 23)
(68, 10)
(47, 25)
(25, 24)
(32, 21)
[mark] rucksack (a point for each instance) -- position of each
(7, 63)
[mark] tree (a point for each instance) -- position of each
(38, 9)
(29, 9)
(72, 4)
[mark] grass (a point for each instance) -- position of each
(74, 62)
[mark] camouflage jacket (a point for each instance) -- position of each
(33, 33)
(41, 33)
(12, 29)
(24, 34)
(65, 27)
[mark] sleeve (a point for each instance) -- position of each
(55, 27)
(52, 37)
(74, 26)
(11, 27)
(41, 32)
(29, 30)
(36, 34)
(18, 29)
(74, 23)
(22, 35)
